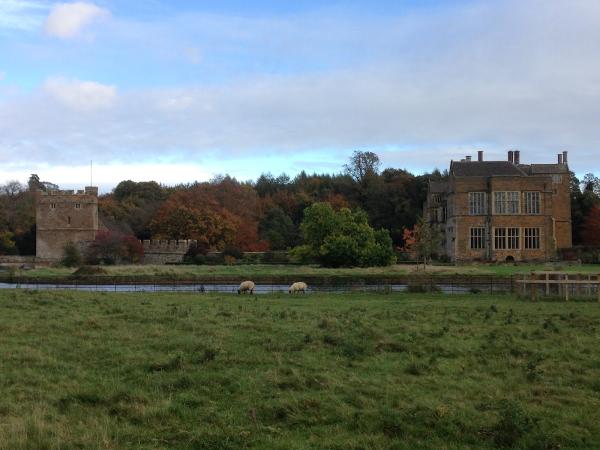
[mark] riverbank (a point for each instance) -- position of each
(282, 274)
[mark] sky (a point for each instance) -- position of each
(180, 91)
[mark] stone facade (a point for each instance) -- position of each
(502, 210)
(64, 216)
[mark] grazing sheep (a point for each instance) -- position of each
(246, 286)
(299, 286)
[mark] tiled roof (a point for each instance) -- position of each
(484, 169)
(547, 168)
(439, 186)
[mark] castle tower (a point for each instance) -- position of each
(63, 216)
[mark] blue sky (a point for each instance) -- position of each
(183, 90)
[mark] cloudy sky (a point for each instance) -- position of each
(176, 90)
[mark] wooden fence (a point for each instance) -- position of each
(558, 284)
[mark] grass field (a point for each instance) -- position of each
(98, 370)
(239, 272)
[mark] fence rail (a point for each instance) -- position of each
(558, 284)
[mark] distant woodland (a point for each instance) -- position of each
(264, 214)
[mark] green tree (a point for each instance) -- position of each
(277, 228)
(343, 238)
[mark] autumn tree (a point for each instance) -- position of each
(111, 247)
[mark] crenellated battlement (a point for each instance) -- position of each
(161, 251)
(89, 190)
(169, 246)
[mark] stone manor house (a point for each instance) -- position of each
(502, 210)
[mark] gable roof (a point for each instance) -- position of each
(485, 169)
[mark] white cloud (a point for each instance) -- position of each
(24, 15)
(501, 75)
(80, 95)
(67, 20)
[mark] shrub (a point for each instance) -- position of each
(114, 248)
(229, 260)
(196, 248)
(233, 251)
(71, 255)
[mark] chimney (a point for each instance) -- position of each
(511, 156)
(565, 153)
(468, 158)
(560, 158)
(480, 155)
(517, 157)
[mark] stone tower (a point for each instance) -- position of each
(63, 216)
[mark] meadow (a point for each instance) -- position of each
(335, 371)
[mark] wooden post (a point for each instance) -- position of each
(599, 288)
(566, 287)
(533, 287)
(547, 284)
(578, 286)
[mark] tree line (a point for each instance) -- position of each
(267, 213)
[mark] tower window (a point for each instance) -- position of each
(77, 205)
(69, 220)
(52, 205)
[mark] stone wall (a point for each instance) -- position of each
(16, 261)
(165, 251)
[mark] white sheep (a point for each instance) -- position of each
(246, 286)
(298, 286)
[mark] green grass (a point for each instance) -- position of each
(239, 272)
(100, 370)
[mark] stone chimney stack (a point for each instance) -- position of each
(511, 156)
(560, 158)
(480, 155)
(565, 153)
(468, 158)
(517, 157)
